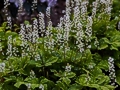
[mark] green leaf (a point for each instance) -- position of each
(61, 85)
(22, 71)
(37, 64)
(26, 22)
(11, 78)
(93, 85)
(96, 72)
(18, 84)
(75, 87)
(50, 61)
(9, 33)
(102, 46)
(33, 80)
(2, 35)
(113, 48)
(103, 88)
(117, 64)
(18, 42)
(115, 37)
(106, 40)
(118, 76)
(15, 25)
(82, 80)
(65, 74)
(70, 74)
(102, 79)
(103, 43)
(103, 65)
(66, 80)
(48, 82)
(44, 80)
(110, 87)
(116, 44)
(4, 24)
(34, 86)
(1, 29)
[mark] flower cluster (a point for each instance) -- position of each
(15, 49)
(108, 8)
(41, 87)
(41, 24)
(22, 38)
(50, 41)
(68, 68)
(76, 15)
(28, 35)
(119, 25)
(34, 6)
(88, 31)
(6, 3)
(35, 31)
(37, 57)
(9, 50)
(2, 67)
(28, 86)
(9, 21)
(48, 10)
(79, 37)
(60, 29)
(94, 9)
(112, 70)
(32, 74)
(84, 9)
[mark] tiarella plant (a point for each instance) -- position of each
(80, 53)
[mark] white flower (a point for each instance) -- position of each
(112, 70)
(41, 87)
(2, 67)
(68, 68)
(28, 85)
(119, 25)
